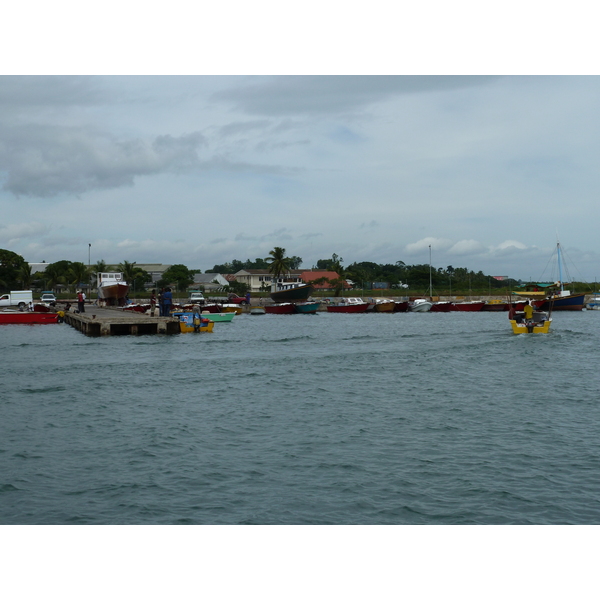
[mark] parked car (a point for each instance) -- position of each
(235, 299)
(196, 298)
(48, 298)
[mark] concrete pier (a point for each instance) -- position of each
(96, 322)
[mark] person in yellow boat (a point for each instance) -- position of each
(528, 310)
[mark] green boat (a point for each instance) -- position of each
(225, 317)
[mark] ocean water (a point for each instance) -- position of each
(304, 419)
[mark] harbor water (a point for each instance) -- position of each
(372, 419)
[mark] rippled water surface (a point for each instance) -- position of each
(304, 419)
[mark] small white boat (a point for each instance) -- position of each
(257, 310)
(594, 303)
(420, 305)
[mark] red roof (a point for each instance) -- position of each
(310, 276)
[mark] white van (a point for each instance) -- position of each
(20, 298)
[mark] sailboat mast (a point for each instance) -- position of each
(560, 277)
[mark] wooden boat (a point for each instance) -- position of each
(384, 305)
(540, 323)
(564, 301)
(218, 317)
(292, 293)
(112, 288)
(18, 317)
(553, 296)
(495, 306)
(348, 305)
(286, 308)
(232, 308)
(401, 306)
(307, 308)
(470, 306)
(190, 322)
(441, 307)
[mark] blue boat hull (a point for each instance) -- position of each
(572, 302)
(309, 307)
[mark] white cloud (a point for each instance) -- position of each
(510, 244)
(17, 232)
(466, 247)
(422, 245)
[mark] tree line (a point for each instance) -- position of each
(15, 273)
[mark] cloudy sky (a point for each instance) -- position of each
(203, 169)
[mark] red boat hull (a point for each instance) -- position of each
(349, 308)
(441, 307)
(401, 307)
(28, 318)
(468, 306)
(280, 309)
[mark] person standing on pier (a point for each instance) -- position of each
(152, 302)
(81, 302)
(161, 306)
(167, 302)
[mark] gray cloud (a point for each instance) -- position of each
(47, 160)
(323, 94)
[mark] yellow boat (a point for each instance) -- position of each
(540, 323)
(194, 323)
(234, 308)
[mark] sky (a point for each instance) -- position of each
(488, 170)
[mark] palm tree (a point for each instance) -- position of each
(79, 274)
(25, 276)
(54, 275)
(129, 271)
(279, 264)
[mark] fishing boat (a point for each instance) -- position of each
(286, 308)
(441, 307)
(18, 317)
(291, 292)
(539, 323)
(231, 308)
(420, 305)
(218, 317)
(495, 306)
(384, 305)
(348, 305)
(468, 306)
(307, 308)
(112, 288)
(553, 296)
(193, 322)
(401, 306)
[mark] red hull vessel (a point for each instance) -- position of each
(468, 306)
(348, 308)
(441, 307)
(280, 309)
(27, 318)
(401, 307)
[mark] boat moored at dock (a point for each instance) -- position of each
(22, 317)
(190, 322)
(348, 305)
